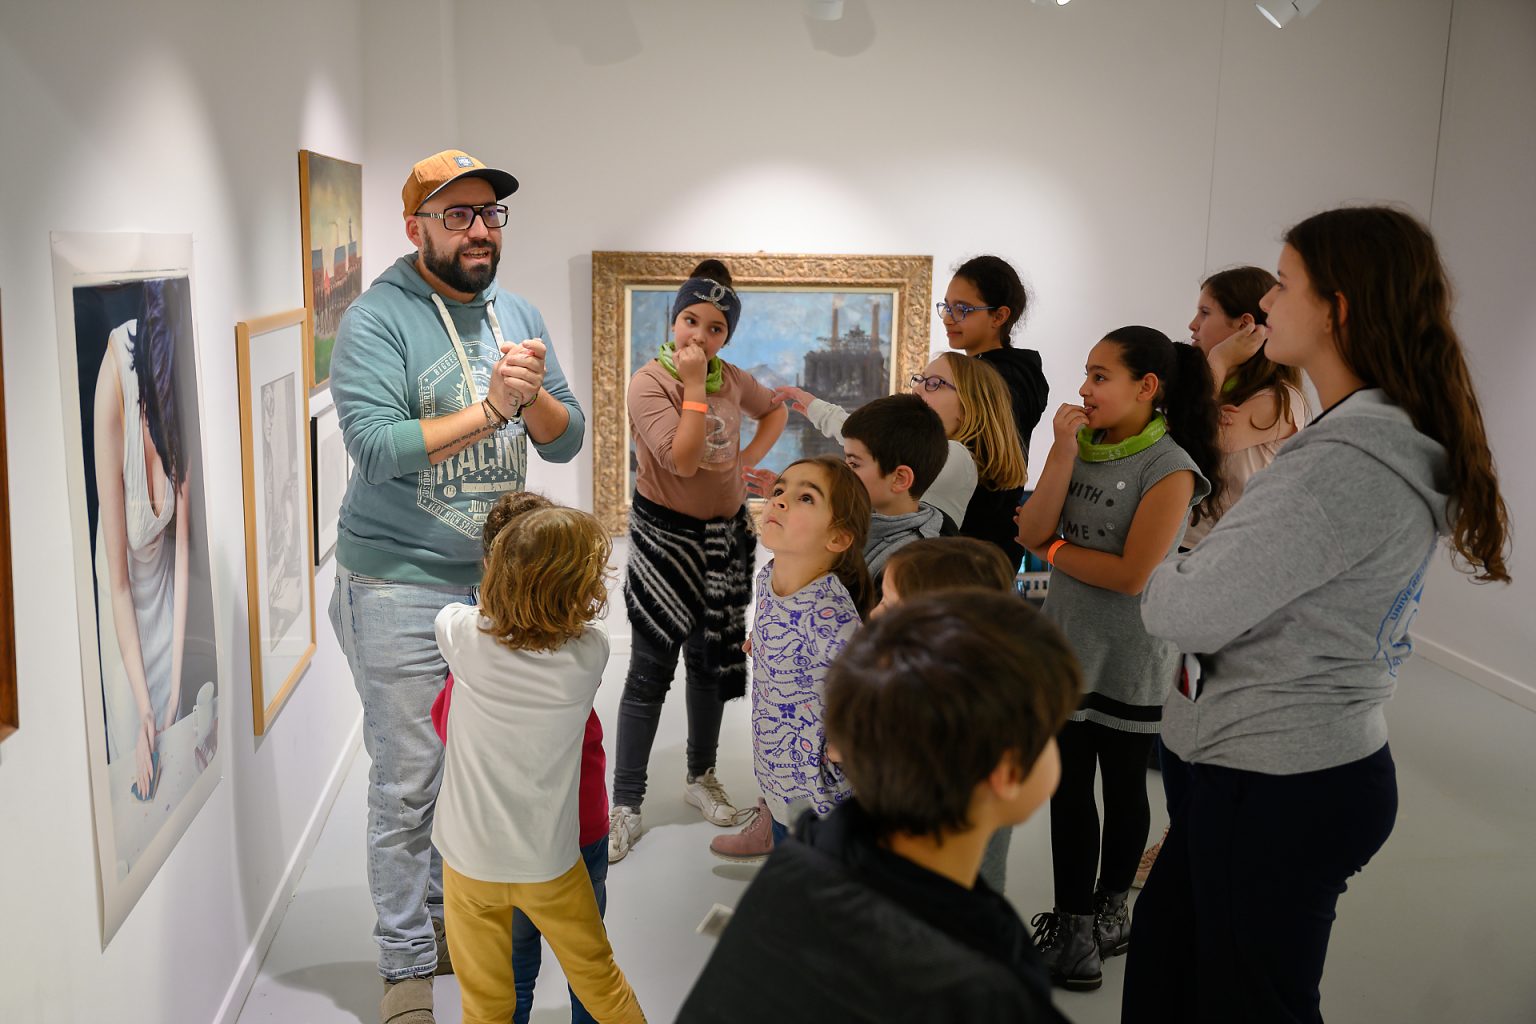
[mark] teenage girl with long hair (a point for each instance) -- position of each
(1294, 616)
(1125, 471)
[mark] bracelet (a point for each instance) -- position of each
(1050, 552)
(695, 407)
(491, 410)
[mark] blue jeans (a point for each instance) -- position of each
(527, 947)
(385, 630)
(779, 832)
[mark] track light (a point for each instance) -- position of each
(1280, 12)
(824, 10)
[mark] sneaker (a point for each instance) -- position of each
(1111, 923)
(751, 844)
(1149, 858)
(623, 831)
(705, 792)
(1066, 944)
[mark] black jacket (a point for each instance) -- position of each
(837, 928)
(1025, 377)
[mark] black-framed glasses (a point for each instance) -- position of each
(459, 218)
(955, 312)
(929, 383)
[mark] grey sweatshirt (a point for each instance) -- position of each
(1300, 601)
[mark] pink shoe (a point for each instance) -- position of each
(751, 844)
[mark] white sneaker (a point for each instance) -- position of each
(706, 793)
(623, 832)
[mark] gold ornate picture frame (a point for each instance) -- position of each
(829, 323)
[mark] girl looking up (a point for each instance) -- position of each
(810, 600)
(691, 552)
(1126, 468)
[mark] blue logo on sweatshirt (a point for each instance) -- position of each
(1393, 644)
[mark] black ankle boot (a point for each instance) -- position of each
(1111, 923)
(1066, 943)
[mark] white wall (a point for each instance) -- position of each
(141, 115)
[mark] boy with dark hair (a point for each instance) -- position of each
(944, 712)
(896, 446)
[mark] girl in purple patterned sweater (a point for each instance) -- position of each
(810, 601)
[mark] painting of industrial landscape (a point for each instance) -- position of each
(331, 212)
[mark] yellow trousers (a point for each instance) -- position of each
(478, 918)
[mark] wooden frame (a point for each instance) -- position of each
(330, 469)
(329, 189)
(618, 276)
(278, 519)
(10, 712)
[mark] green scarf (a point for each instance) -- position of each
(1089, 451)
(712, 381)
(1229, 385)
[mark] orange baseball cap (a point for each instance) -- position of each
(431, 175)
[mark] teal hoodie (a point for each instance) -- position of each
(393, 366)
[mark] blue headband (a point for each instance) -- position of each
(702, 289)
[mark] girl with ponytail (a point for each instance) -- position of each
(1294, 615)
(811, 597)
(1125, 471)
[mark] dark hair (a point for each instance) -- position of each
(926, 700)
(999, 285)
(1397, 336)
(1186, 399)
(716, 271)
(848, 499)
(932, 564)
(507, 508)
(1237, 291)
(901, 430)
(152, 352)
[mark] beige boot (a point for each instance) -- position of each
(407, 1002)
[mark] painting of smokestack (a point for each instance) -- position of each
(331, 215)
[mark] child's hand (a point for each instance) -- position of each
(1069, 420)
(797, 399)
(692, 365)
(759, 481)
(1237, 349)
(746, 647)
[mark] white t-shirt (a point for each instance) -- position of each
(507, 811)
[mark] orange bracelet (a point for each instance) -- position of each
(695, 407)
(1050, 552)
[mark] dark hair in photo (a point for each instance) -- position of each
(999, 285)
(932, 564)
(715, 270)
(162, 319)
(1186, 399)
(1397, 335)
(901, 430)
(926, 700)
(848, 500)
(1238, 290)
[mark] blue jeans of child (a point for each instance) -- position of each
(527, 947)
(385, 630)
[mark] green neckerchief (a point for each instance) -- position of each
(1088, 451)
(712, 381)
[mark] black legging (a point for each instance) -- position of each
(1121, 758)
(651, 669)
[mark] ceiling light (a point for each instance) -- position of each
(1279, 12)
(824, 10)
(1050, 3)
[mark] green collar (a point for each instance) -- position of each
(1089, 451)
(712, 382)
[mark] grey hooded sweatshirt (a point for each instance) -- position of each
(1300, 601)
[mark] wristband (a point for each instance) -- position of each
(1050, 552)
(491, 410)
(695, 407)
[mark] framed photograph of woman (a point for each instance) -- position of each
(148, 624)
(274, 450)
(847, 328)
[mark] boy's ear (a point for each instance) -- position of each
(1007, 776)
(901, 479)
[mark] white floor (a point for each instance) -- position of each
(1440, 927)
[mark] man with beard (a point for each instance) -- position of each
(440, 378)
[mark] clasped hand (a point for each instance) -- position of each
(518, 376)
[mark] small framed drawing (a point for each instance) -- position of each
(331, 469)
(331, 223)
(274, 412)
(874, 310)
(10, 718)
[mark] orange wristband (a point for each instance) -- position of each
(1050, 552)
(695, 407)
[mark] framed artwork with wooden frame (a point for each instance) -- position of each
(846, 328)
(10, 714)
(331, 222)
(274, 459)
